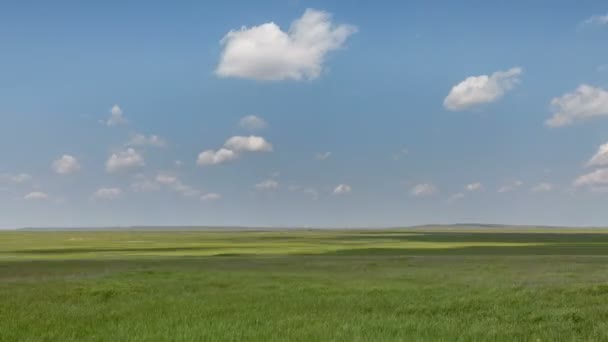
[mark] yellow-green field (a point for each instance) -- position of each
(445, 283)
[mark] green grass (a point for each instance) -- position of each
(401, 285)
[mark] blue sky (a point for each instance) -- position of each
(376, 114)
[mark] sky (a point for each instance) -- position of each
(291, 113)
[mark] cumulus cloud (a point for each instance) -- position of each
(600, 158)
(15, 178)
(585, 103)
(211, 157)
(478, 90)
(266, 52)
(123, 160)
(269, 184)
(233, 147)
(36, 196)
(252, 123)
(510, 187)
(116, 117)
(212, 196)
(66, 164)
(144, 184)
(597, 20)
(424, 189)
(251, 143)
(342, 189)
(143, 140)
(107, 193)
(322, 156)
(166, 179)
(173, 183)
(543, 187)
(595, 178)
(474, 187)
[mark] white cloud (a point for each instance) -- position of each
(143, 140)
(252, 123)
(173, 183)
(543, 187)
(477, 90)
(212, 196)
(211, 157)
(600, 158)
(66, 164)
(15, 178)
(185, 190)
(232, 149)
(107, 193)
(342, 189)
(116, 117)
(474, 187)
(268, 184)
(510, 187)
(251, 143)
(586, 102)
(166, 179)
(144, 184)
(424, 189)
(265, 52)
(124, 160)
(597, 20)
(36, 196)
(322, 156)
(595, 178)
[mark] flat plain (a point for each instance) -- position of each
(416, 284)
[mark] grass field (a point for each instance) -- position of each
(305, 285)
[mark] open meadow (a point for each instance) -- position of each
(420, 284)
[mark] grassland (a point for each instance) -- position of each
(305, 285)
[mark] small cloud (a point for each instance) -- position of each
(36, 196)
(211, 157)
(66, 164)
(424, 189)
(342, 189)
(15, 178)
(322, 156)
(593, 179)
(543, 187)
(401, 154)
(456, 197)
(585, 103)
(268, 184)
(248, 144)
(510, 187)
(267, 53)
(474, 187)
(124, 160)
(212, 196)
(232, 148)
(143, 140)
(107, 193)
(313, 193)
(478, 90)
(116, 117)
(596, 20)
(600, 158)
(252, 123)
(144, 184)
(166, 179)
